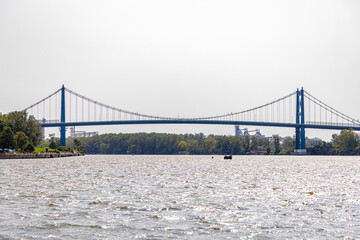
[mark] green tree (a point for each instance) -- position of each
(319, 147)
(247, 144)
(223, 145)
(20, 122)
(323, 148)
(78, 146)
(7, 138)
(263, 142)
(268, 150)
(254, 144)
(346, 142)
(21, 140)
(193, 146)
(236, 145)
(357, 150)
(288, 145)
(53, 144)
(312, 142)
(29, 148)
(277, 146)
(183, 147)
(210, 145)
(2, 124)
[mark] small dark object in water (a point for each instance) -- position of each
(228, 156)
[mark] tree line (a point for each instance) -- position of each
(162, 143)
(345, 143)
(20, 131)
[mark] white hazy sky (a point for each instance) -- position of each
(181, 58)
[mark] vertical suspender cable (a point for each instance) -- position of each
(309, 109)
(278, 111)
(88, 110)
(49, 108)
(70, 107)
(76, 108)
(94, 112)
(82, 109)
(331, 116)
(283, 110)
(56, 106)
(314, 112)
(326, 116)
(43, 113)
(290, 109)
(267, 114)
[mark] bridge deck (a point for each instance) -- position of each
(210, 122)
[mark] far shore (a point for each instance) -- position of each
(37, 155)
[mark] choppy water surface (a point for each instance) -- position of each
(184, 197)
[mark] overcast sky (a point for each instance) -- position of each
(181, 58)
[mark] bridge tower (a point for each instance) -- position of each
(300, 147)
(62, 120)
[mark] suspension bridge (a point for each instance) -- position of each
(65, 108)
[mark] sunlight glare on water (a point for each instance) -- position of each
(184, 197)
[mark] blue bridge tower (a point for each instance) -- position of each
(62, 120)
(300, 147)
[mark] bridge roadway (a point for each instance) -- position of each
(210, 122)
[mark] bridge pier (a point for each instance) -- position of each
(300, 146)
(62, 136)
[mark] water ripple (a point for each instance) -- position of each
(186, 197)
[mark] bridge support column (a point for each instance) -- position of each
(302, 130)
(297, 139)
(62, 120)
(300, 147)
(62, 136)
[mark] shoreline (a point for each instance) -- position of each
(39, 155)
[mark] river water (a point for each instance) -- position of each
(180, 197)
